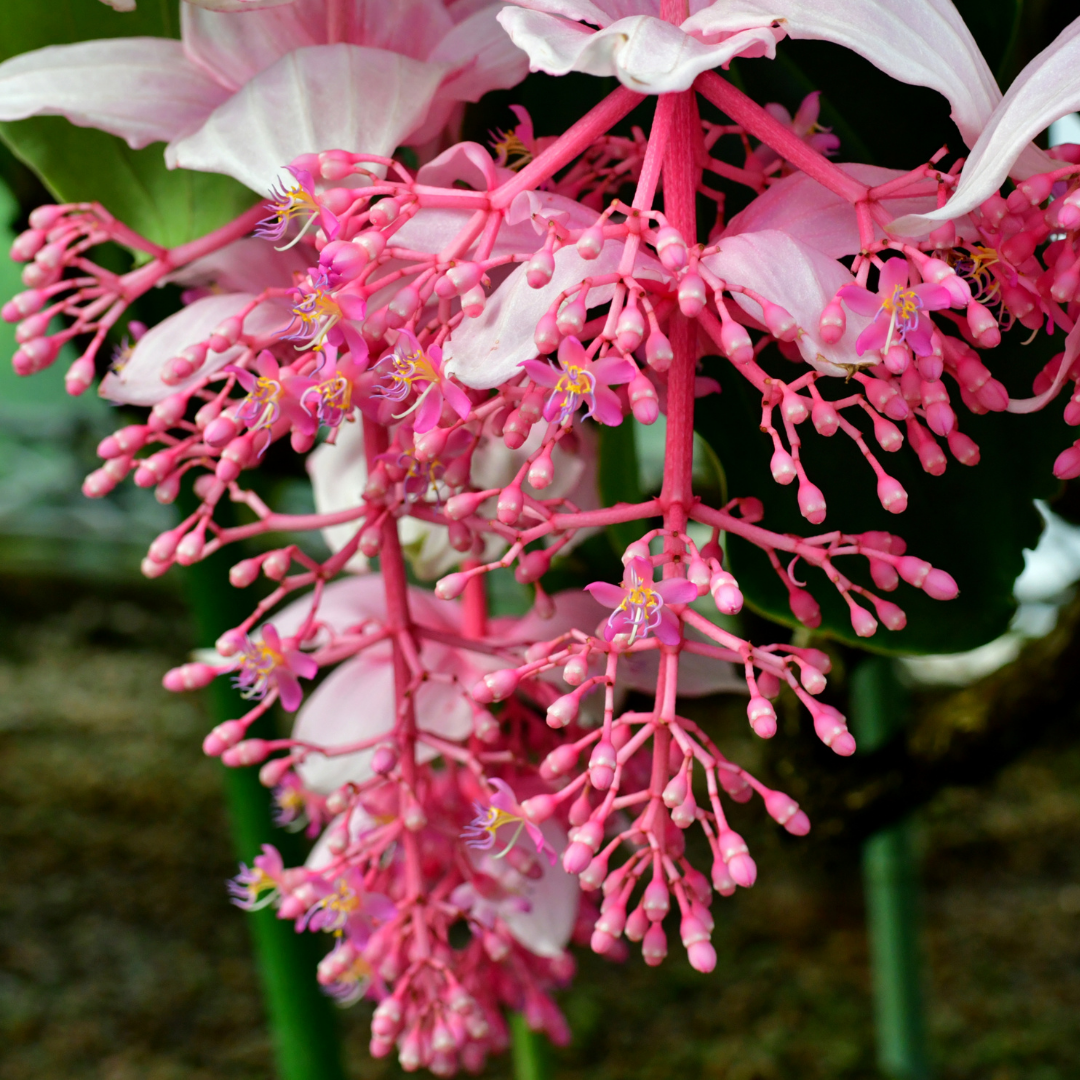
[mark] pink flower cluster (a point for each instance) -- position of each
(450, 337)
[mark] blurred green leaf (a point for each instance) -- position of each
(972, 522)
(82, 164)
(619, 479)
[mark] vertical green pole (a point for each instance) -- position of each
(301, 1018)
(530, 1050)
(890, 876)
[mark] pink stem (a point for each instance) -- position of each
(765, 127)
(572, 142)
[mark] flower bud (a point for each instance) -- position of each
(643, 400)
(539, 268)
(591, 243)
(692, 295)
(762, 717)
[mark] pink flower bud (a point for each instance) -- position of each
(576, 857)
(675, 791)
(1067, 463)
(223, 737)
(559, 762)
(539, 268)
(939, 585)
(685, 814)
(27, 244)
(465, 505)
(248, 752)
(735, 342)
(805, 608)
(832, 323)
(891, 494)
(898, 359)
(542, 471)
(539, 808)
(273, 772)
(383, 212)
(780, 321)
(692, 295)
(831, 729)
(384, 760)
(721, 879)
(571, 318)
(510, 504)
(602, 765)
(591, 243)
(226, 334)
(863, 623)
(563, 711)
(547, 335)
(451, 586)
(658, 351)
(825, 418)
(782, 466)
(656, 902)
(762, 717)
(983, 325)
(702, 956)
(613, 919)
(500, 684)
(890, 614)
(371, 541)
(592, 877)
(473, 302)
(671, 247)
(654, 945)
(189, 677)
(643, 400)
(811, 502)
(630, 328)
(373, 243)
(576, 670)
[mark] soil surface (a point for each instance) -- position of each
(120, 957)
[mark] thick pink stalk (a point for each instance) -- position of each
(572, 142)
(770, 131)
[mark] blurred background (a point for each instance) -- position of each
(939, 889)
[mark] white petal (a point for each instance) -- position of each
(236, 47)
(921, 42)
(246, 265)
(546, 927)
(486, 351)
(138, 382)
(797, 277)
(809, 212)
(143, 89)
(323, 97)
(1047, 89)
(486, 57)
(584, 11)
(645, 53)
(338, 474)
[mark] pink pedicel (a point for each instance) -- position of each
(456, 337)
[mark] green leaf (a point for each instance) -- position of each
(82, 164)
(973, 522)
(619, 479)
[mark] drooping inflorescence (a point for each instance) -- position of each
(442, 344)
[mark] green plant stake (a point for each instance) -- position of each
(531, 1053)
(301, 1018)
(890, 877)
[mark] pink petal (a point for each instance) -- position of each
(860, 300)
(676, 590)
(603, 592)
(613, 370)
(668, 629)
(873, 337)
(485, 56)
(608, 409)
(503, 799)
(933, 297)
(894, 273)
(143, 89)
(270, 636)
(289, 692)
(343, 96)
(139, 381)
(571, 351)
(457, 398)
(427, 416)
(918, 338)
(302, 664)
(542, 374)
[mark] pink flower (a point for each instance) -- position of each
(804, 124)
(898, 311)
(347, 908)
(580, 380)
(291, 200)
(409, 369)
(246, 90)
(267, 665)
(641, 604)
(504, 810)
(258, 887)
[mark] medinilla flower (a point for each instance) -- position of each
(899, 311)
(504, 811)
(580, 381)
(409, 369)
(641, 604)
(258, 886)
(246, 91)
(264, 665)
